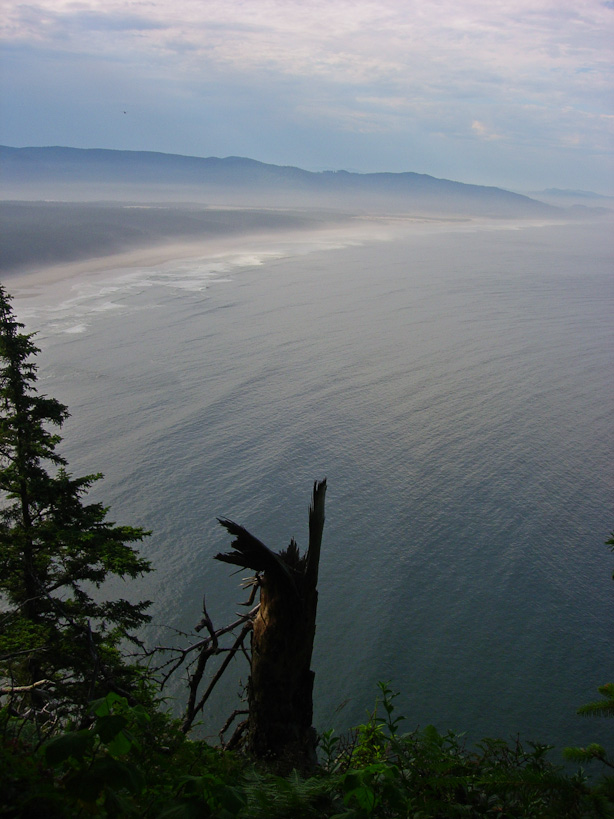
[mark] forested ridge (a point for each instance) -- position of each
(86, 727)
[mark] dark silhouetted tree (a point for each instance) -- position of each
(280, 688)
(59, 638)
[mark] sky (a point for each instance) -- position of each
(517, 93)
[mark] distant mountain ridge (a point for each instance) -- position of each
(564, 192)
(239, 179)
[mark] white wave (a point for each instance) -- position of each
(108, 305)
(77, 328)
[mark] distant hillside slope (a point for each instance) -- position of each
(99, 173)
(580, 203)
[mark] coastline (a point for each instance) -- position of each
(29, 281)
(319, 230)
(45, 243)
(226, 238)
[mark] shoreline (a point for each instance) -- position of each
(212, 248)
(325, 232)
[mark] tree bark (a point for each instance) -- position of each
(280, 688)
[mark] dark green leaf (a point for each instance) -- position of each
(74, 744)
(108, 727)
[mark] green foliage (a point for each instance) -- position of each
(329, 746)
(96, 767)
(291, 797)
(125, 762)
(54, 550)
(428, 774)
(595, 752)
(603, 788)
(128, 762)
(600, 708)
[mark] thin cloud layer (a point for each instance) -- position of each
(322, 83)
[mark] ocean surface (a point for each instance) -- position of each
(454, 383)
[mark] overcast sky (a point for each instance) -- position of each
(516, 93)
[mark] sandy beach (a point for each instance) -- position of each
(51, 242)
(212, 248)
(58, 235)
(45, 243)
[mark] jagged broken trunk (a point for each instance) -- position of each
(280, 690)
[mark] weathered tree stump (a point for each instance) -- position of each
(280, 688)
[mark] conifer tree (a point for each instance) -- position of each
(59, 638)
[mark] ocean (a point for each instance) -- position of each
(453, 382)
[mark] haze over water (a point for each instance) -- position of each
(454, 383)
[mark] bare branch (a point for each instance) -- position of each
(206, 623)
(192, 710)
(238, 732)
(20, 689)
(181, 654)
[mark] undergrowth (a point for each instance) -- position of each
(128, 762)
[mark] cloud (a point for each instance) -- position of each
(482, 131)
(49, 23)
(520, 73)
(523, 50)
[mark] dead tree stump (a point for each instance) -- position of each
(280, 688)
